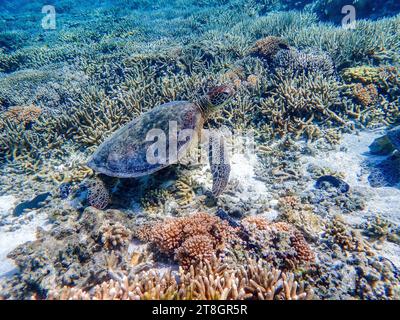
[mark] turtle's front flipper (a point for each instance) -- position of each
(219, 163)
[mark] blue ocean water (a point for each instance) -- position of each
(306, 95)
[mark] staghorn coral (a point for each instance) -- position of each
(210, 280)
(299, 102)
(190, 239)
(185, 187)
(114, 235)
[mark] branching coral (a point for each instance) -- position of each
(299, 102)
(208, 281)
(191, 239)
(279, 242)
(185, 190)
(337, 232)
(114, 235)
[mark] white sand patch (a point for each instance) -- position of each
(350, 159)
(9, 240)
(242, 169)
(7, 203)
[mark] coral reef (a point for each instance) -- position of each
(208, 281)
(114, 235)
(301, 85)
(293, 61)
(190, 239)
(279, 243)
(348, 240)
(381, 229)
(269, 47)
(24, 115)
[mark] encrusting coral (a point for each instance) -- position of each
(337, 232)
(210, 280)
(367, 95)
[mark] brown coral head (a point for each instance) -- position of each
(268, 47)
(218, 96)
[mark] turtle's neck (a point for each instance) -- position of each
(205, 107)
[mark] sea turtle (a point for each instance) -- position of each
(130, 151)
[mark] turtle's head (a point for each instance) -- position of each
(216, 98)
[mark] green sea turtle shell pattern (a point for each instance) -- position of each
(124, 154)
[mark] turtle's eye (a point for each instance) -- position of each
(219, 98)
(220, 95)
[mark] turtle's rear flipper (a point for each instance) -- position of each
(219, 163)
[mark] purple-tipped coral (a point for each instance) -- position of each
(294, 60)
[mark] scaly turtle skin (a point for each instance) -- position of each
(125, 153)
